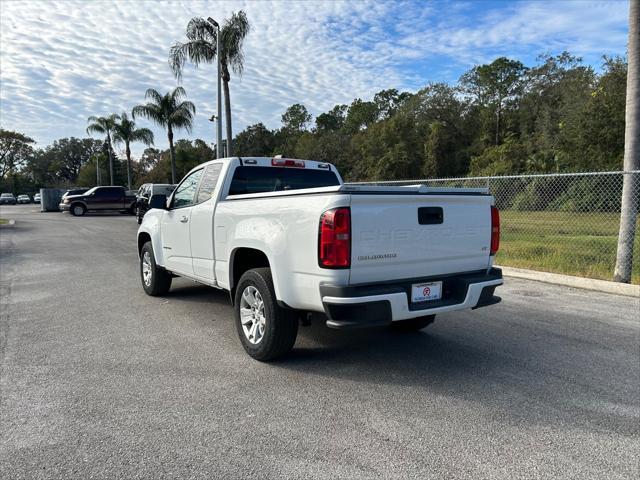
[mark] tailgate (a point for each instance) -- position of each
(410, 236)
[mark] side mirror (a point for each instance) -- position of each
(158, 201)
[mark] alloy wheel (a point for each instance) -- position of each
(252, 315)
(147, 271)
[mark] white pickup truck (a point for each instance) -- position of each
(287, 238)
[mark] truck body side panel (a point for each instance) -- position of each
(285, 229)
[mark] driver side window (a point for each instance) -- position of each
(185, 192)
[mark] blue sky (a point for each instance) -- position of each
(62, 61)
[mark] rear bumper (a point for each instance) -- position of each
(382, 303)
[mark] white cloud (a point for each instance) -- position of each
(64, 61)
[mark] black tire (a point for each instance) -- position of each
(159, 282)
(280, 324)
(413, 324)
(77, 209)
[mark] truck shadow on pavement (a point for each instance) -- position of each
(512, 379)
(512, 374)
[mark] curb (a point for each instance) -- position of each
(11, 223)
(575, 282)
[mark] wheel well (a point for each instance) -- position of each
(245, 259)
(142, 239)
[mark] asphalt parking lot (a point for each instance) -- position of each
(99, 380)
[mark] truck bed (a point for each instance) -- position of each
(400, 232)
(368, 189)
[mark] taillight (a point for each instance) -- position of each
(334, 244)
(495, 230)
(286, 162)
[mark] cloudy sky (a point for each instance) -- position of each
(62, 61)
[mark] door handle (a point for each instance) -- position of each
(184, 219)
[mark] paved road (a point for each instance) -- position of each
(100, 381)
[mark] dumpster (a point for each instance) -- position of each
(50, 199)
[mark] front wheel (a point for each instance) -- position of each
(156, 281)
(266, 330)
(413, 324)
(78, 210)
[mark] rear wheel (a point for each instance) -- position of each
(266, 330)
(156, 280)
(413, 324)
(77, 209)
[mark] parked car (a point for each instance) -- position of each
(144, 194)
(36, 198)
(75, 191)
(99, 199)
(287, 238)
(24, 199)
(7, 198)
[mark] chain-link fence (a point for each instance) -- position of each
(562, 223)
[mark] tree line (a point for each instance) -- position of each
(499, 118)
(503, 117)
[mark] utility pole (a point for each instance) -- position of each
(219, 125)
(110, 158)
(213, 119)
(98, 172)
(631, 181)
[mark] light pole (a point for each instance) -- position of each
(97, 170)
(110, 157)
(213, 119)
(219, 129)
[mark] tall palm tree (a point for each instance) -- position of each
(125, 131)
(631, 185)
(105, 126)
(200, 47)
(168, 111)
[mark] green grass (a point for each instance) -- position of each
(3, 221)
(581, 244)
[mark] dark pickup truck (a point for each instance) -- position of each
(99, 199)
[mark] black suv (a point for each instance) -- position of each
(144, 194)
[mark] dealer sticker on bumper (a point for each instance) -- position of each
(423, 292)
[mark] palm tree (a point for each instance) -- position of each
(168, 111)
(125, 131)
(105, 126)
(200, 47)
(631, 185)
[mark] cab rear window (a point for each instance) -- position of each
(277, 179)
